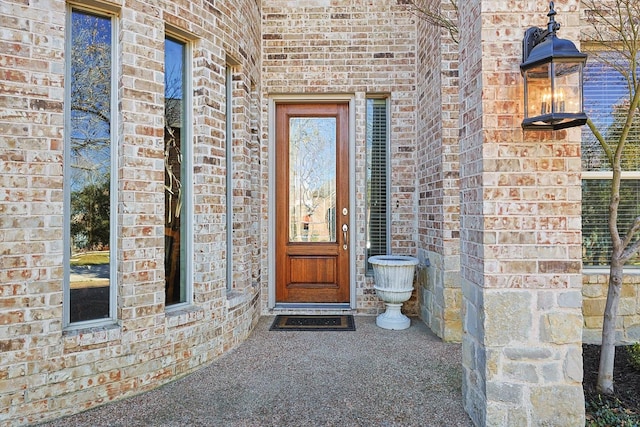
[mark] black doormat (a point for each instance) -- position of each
(313, 323)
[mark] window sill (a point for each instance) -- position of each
(184, 316)
(236, 298)
(94, 337)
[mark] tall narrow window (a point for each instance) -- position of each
(90, 148)
(177, 162)
(228, 81)
(377, 178)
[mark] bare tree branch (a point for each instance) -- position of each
(632, 248)
(435, 17)
(601, 139)
(614, 36)
(631, 231)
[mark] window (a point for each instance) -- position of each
(377, 179)
(228, 83)
(177, 178)
(89, 169)
(606, 99)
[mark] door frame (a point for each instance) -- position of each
(274, 100)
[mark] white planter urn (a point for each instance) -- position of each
(393, 276)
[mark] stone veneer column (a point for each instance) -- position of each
(520, 231)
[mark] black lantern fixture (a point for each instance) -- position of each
(552, 71)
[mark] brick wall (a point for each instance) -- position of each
(31, 118)
(459, 161)
(352, 48)
(471, 264)
(45, 371)
(520, 232)
(438, 189)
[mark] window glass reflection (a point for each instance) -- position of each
(174, 166)
(89, 168)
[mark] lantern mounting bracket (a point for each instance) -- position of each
(534, 35)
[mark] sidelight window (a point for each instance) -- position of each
(377, 150)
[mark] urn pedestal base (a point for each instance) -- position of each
(393, 318)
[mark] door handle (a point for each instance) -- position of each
(345, 236)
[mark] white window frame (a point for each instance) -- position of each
(113, 188)
(228, 125)
(186, 136)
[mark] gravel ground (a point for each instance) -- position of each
(370, 377)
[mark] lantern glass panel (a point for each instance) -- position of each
(567, 93)
(537, 89)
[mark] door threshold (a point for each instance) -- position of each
(282, 306)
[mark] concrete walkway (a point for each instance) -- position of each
(370, 377)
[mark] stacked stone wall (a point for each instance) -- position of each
(47, 370)
(594, 297)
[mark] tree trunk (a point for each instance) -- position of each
(608, 348)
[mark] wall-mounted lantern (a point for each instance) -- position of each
(552, 71)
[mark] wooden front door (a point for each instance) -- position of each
(312, 203)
